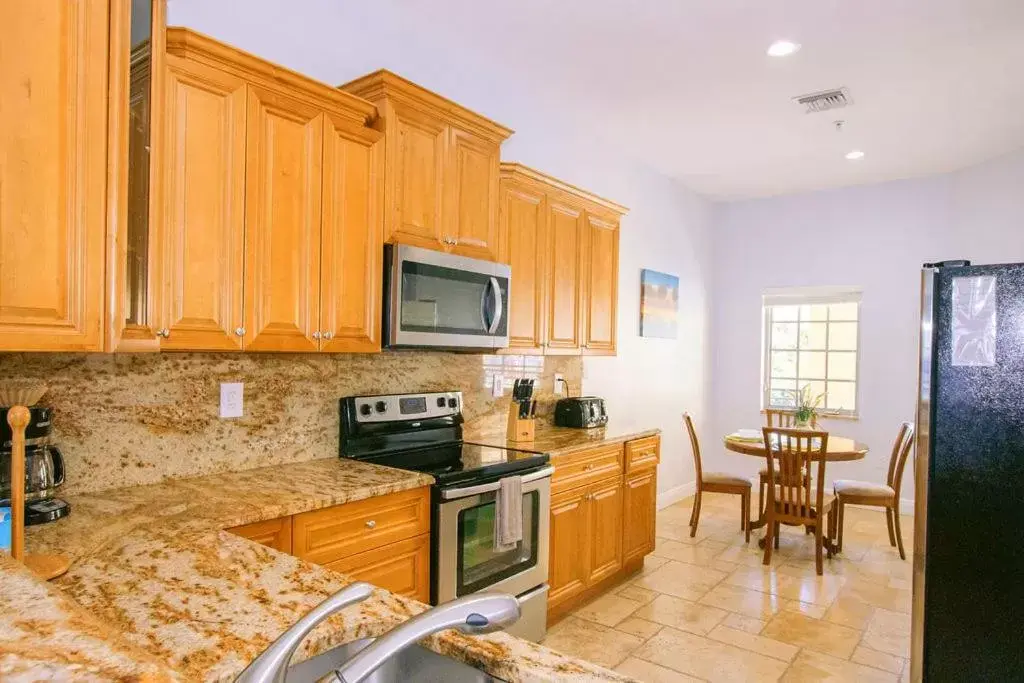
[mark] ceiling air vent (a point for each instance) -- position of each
(826, 100)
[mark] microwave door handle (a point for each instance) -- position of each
(496, 288)
(483, 306)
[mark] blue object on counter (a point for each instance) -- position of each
(5, 529)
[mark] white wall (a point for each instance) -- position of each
(651, 381)
(874, 236)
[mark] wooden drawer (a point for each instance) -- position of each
(643, 453)
(586, 467)
(338, 532)
(402, 567)
(273, 533)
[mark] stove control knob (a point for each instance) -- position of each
(365, 409)
(440, 402)
(381, 406)
(453, 403)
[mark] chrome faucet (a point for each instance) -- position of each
(473, 614)
(272, 665)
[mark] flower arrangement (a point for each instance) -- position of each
(807, 406)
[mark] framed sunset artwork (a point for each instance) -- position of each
(659, 304)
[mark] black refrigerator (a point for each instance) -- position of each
(968, 608)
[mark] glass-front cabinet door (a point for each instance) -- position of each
(137, 49)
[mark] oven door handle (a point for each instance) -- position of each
(466, 491)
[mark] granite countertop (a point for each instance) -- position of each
(158, 591)
(561, 440)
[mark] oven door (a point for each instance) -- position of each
(443, 300)
(466, 559)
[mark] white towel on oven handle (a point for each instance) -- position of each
(508, 514)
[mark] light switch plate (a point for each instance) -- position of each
(498, 388)
(231, 399)
(559, 384)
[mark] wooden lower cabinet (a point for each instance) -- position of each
(402, 568)
(273, 533)
(600, 530)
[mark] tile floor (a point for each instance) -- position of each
(706, 609)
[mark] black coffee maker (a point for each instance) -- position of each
(44, 468)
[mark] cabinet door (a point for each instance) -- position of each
(568, 569)
(202, 227)
(351, 252)
(640, 506)
(53, 123)
(283, 183)
(273, 533)
(417, 155)
(402, 567)
(602, 279)
(567, 240)
(605, 529)
(472, 184)
(525, 249)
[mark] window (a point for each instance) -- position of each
(811, 338)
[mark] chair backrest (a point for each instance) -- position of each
(898, 459)
(796, 462)
(775, 417)
(695, 446)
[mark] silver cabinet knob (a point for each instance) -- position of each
(370, 524)
(316, 335)
(240, 331)
(328, 336)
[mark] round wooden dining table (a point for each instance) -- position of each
(839, 449)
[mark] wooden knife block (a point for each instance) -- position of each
(519, 429)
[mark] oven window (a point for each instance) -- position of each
(449, 301)
(480, 565)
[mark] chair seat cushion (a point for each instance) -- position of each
(867, 489)
(724, 478)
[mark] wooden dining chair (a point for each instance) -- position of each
(796, 497)
(775, 418)
(854, 492)
(716, 482)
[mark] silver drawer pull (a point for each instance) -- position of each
(370, 524)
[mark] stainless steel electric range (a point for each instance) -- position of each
(423, 432)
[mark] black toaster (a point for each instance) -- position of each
(582, 412)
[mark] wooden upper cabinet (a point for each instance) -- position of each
(53, 174)
(473, 195)
(351, 256)
(523, 230)
(441, 173)
(283, 185)
(202, 224)
(567, 243)
(602, 285)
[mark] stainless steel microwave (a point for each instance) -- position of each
(440, 300)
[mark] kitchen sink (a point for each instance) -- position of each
(414, 663)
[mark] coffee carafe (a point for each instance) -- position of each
(44, 468)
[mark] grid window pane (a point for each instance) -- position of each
(814, 312)
(843, 311)
(780, 313)
(842, 365)
(783, 363)
(783, 393)
(842, 336)
(813, 335)
(841, 396)
(817, 388)
(812, 365)
(784, 336)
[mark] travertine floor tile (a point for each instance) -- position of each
(682, 614)
(652, 673)
(681, 580)
(638, 627)
(759, 644)
(814, 634)
(812, 667)
(848, 611)
(708, 659)
(888, 632)
(743, 601)
(744, 623)
(879, 660)
(641, 595)
(608, 610)
(592, 642)
(691, 554)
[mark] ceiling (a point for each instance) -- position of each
(685, 86)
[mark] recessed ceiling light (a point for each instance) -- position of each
(855, 155)
(782, 48)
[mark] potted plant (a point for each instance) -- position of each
(807, 408)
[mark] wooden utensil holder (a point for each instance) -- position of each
(519, 429)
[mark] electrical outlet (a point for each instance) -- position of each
(559, 383)
(498, 389)
(231, 399)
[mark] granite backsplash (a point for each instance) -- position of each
(130, 419)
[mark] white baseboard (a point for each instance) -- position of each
(676, 494)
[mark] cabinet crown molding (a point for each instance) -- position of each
(516, 171)
(193, 45)
(383, 85)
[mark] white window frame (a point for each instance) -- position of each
(803, 296)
